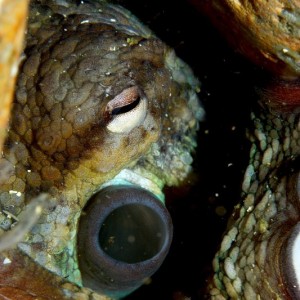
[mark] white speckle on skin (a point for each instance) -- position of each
(250, 208)
(13, 192)
(18, 194)
(6, 261)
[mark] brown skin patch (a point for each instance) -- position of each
(22, 279)
(266, 32)
(282, 95)
(14, 284)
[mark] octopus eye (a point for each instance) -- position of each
(127, 110)
(291, 262)
(290, 253)
(124, 235)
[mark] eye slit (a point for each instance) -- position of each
(124, 99)
(127, 110)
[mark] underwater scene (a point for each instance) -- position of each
(151, 150)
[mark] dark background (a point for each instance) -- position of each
(201, 209)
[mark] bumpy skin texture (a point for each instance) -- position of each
(77, 58)
(254, 258)
(267, 32)
(250, 261)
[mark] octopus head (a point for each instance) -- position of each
(104, 116)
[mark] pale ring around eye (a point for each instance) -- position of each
(127, 110)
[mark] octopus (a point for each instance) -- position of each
(104, 116)
(259, 254)
(86, 134)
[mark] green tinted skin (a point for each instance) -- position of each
(60, 147)
(251, 261)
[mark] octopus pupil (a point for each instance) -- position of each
(126, 108)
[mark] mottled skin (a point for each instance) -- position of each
(249, 263)
(266, 32)
(78, 57)
(254, 258)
